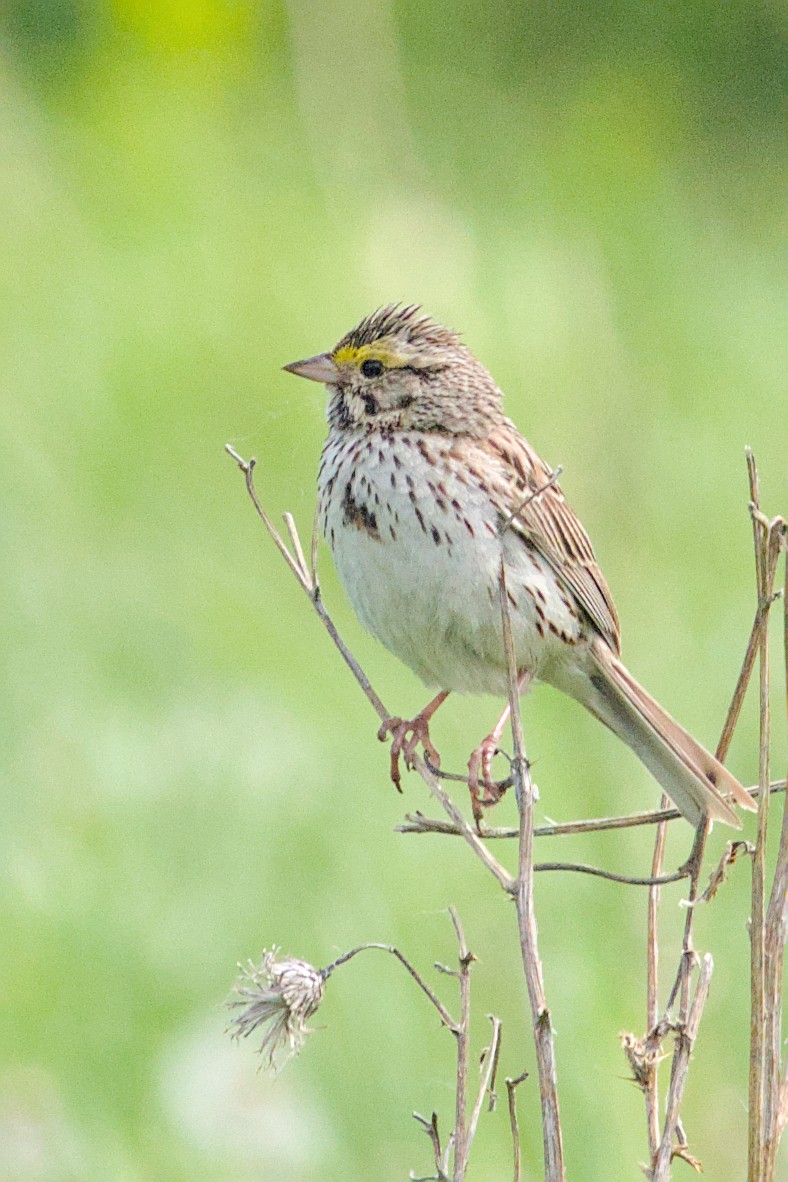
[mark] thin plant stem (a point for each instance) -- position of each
(487, 1083)
(651, 1081)
(655, 880)
(757, 916)
(776, 927)
(445, 1016)
(511, 1096)
(685, 1041)
(756, 641)
(526, 916)
(767, 920)
(462, 827)
(418, 823)
(463, 1134)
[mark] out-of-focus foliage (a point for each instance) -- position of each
(193, 193)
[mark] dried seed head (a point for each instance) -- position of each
(279, 995)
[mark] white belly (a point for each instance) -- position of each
(418, 552)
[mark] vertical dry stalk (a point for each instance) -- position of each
(767, 541)
(685, 1040)
(681, 986)
(652, 1040)
(491, 1058)
(526, 918)
(767, 929)
(757, 932)
(511, 1095)
(462, 1136)
(776, 1081)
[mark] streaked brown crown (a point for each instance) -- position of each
(404, 322)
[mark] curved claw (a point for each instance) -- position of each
(482, 758)
(406, 737)
(480, 773)
(387, 727)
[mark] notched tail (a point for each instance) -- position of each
(695, 781)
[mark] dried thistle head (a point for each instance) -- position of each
(279, 995)
(642, 1056)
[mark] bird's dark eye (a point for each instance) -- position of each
(372, 368)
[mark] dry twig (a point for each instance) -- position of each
(768, 917)
(511, 1090)
(463, 1135)
(418, 823)
(653, 1040)
(526, 915)
(685, 1040)
(776, 925)
(681, 985)
(464, 1131)
(487, 1083)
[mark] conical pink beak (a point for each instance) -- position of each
(318, 369)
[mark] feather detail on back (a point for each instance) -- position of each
(548, 524)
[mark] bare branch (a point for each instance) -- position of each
(461, 826)
(511, 1089)
(693, 866)
(464, 1131)
(248, 467)
(681, 1153)
(445, 1016)
(764, 1066)
(298, 549)
(745, 673)
(688, 957)
(313, 548)
(463, 1134)
(430, 1127)
(685, 1040)
(349, 659)
(418, 823)
(651, 1055)
(695, 863)
(628, 880)
(526, 917)
(775, 927)
(757, 640)
(487, 1083)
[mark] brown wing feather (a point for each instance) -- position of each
(548, 523)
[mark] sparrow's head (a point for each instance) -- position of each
(400, 371)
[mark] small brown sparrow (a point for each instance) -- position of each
(423, 483)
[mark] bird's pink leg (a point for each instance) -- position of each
(419, 731)
(482, 757)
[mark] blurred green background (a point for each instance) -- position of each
(192, 194)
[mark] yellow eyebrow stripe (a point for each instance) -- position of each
(354, 355)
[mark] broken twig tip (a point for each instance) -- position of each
(245, 465)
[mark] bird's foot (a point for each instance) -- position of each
(485, 791)
(406, 736)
